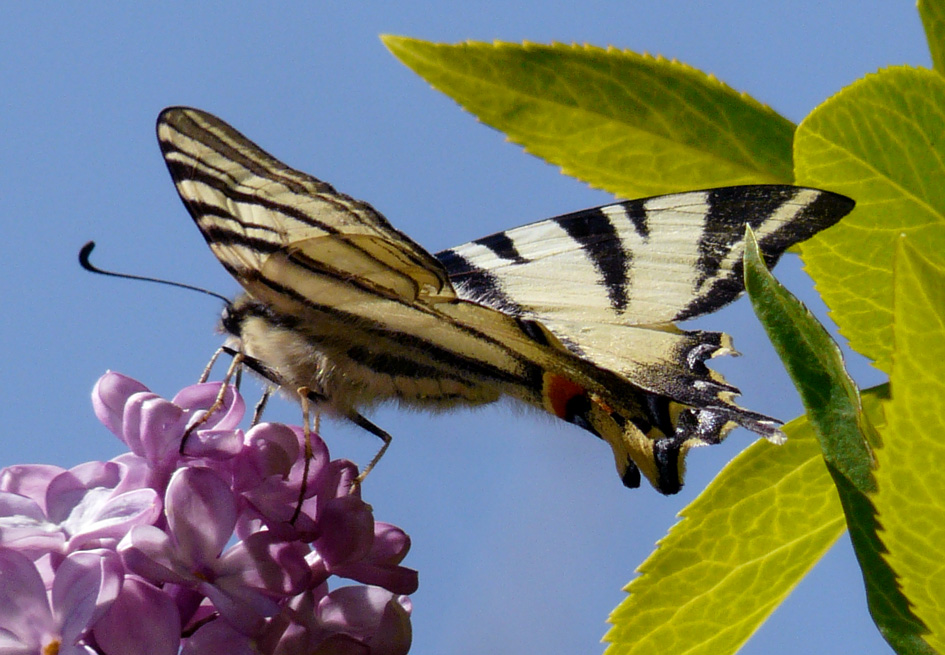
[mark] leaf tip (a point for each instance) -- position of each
(395, 43)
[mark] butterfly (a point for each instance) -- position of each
(574, 315)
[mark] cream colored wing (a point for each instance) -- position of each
(249, 205)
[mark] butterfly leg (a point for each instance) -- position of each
(365, 424)
(213, 360)
(261, 405)
(305, 395)
(218, 401)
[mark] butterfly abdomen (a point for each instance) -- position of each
(356, 365)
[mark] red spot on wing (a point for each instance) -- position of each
(558, 391)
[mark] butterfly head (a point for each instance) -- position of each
(273, 345)
(243, 320)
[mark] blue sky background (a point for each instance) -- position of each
(522, 532)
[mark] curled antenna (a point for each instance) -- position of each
(87, 265)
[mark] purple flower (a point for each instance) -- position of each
(221, 638)
(85, 507)
(226, 545)
(242, 582)
(85, 585)
(121, 629)
(29, 480)
(268, 475)
(380, 565)
(374, 616)
(109, 397)
(154, 428)
(355, 620)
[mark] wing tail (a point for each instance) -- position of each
(652, 408)
(655, 439)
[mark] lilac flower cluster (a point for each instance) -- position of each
(162, 552)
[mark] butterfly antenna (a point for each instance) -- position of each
(87, 265)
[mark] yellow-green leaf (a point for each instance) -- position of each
(846, 437)
(632, 124)
(880, 142)
(738, 551)
(933, 19)
(911, 472)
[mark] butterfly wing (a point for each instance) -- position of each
(611, 282)
(643, 262)
(257, 214)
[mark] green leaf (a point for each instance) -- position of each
(632, 124)
(933, 19)
(879, 142)
(815, 364)
(911, 472)
(833, 406)
(738, 551)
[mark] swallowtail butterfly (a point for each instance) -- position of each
(573, 315)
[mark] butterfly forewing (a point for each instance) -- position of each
(573, 315)
(249, 205)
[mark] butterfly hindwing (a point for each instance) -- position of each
(640, 262)
(573, 315)
(625, 273)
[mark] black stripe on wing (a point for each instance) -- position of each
(724, 230)
(222, 182)
(635, 211)
(222, 138)
(221, 228)
(503, 247)
(596, 235)
(593, 232)
(477, 283)
(725, 221)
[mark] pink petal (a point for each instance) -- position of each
(219, 638)
(137, 472)
(273, 447)
(262, 561)
(390, 544)
(24, 610)
(373, 615)
(149, 552)
(113, 518)
(214, 444)
(85, 586)
(396, 579)
(122, 629)
(346, 527)
(201, 512)
(355, 609)
(109, 396)
(69, 491)
(338, 480)
(202, 396)
(394, 633)
(21, 508)
(160, 429)
(243, 608)
(131, 428)
(29, 480)
(23, 527)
